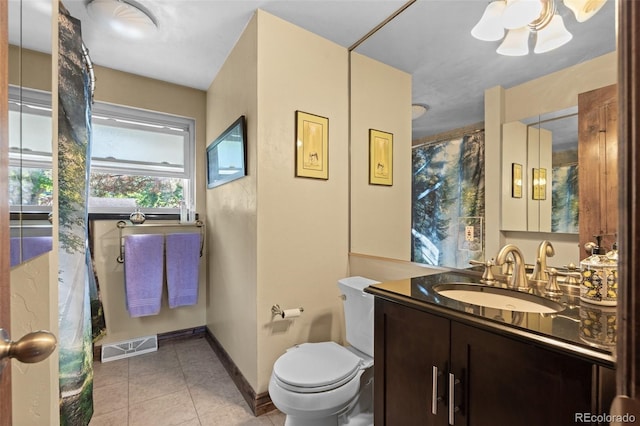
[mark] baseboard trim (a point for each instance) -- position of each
(258, 403)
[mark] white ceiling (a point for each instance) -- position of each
(430, 40)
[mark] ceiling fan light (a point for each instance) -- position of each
(584, 9)
(519, 13)
(516, 43)
(126, 17)
(489, 27)
(552, 36)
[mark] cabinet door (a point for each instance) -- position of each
(508, 382)
(409, 344)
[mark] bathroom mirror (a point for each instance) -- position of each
(550, 172)
(30, 129)
(409, 44)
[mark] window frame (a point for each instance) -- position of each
(128, 117)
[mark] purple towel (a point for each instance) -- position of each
(14, 248)
(31, 247)
(143, 273)
(183, 258)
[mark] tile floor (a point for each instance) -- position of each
(183, 383)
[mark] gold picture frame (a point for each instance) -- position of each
(380, 157)
(539, 184)
(312, 146)
(516, 180)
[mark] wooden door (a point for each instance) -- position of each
(598, 159)
(5, 316)
(408, 345)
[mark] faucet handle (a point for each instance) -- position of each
(487, 274)
(552, 289)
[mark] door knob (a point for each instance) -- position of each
(32, 347)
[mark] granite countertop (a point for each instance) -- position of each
(582, 329)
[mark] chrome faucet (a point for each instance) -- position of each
(518, 279)
(540, 270)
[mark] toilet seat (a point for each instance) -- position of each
(316, 367)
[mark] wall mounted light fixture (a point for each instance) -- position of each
(521, 18)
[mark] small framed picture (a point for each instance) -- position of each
(516, 180)
(312, 146)
(380, 158)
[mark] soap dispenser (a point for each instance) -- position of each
(599, 276)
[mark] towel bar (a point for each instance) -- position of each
(122, 225)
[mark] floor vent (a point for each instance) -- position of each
(129, 348)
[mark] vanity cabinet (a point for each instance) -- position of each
(424, 361)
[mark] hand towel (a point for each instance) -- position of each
(30, 247)
(143, 273)
(14, 249)
(35, 246)
(183, 258)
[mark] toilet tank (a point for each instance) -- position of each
(358, 312)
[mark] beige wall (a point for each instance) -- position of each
(29, 68)
(553, 92)
(302, 222)
(110, 273)
(122, 88)
(380, 215)
(231, 211)
(34, 295)
(275, 238)
(385, 269)
(34, 307)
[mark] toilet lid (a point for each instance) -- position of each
(314, 365)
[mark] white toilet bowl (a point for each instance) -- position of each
(324, 394)
(322, 384)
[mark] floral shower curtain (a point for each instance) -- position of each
(75, 275)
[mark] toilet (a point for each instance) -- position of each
(318, 384)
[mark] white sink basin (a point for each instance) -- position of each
(497, 298)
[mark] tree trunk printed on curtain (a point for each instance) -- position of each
(74, 312)
(448, 196)
(564, 199)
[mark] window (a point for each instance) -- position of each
(30, 147)
(140, 159)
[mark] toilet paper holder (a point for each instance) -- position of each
(286, 313)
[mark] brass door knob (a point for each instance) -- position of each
(32, 347)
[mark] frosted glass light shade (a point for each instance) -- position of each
(516, 43)
(552, 36)
(584, 9)
(519, 13)
(125, 17)
(489, 27)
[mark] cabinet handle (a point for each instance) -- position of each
(434, 390)
(452, 400)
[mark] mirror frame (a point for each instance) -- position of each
(628, 354)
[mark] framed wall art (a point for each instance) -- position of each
(227, 155)
(312, 146)
(516, 180)
(380, 158)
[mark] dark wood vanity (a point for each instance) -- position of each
(440, 362)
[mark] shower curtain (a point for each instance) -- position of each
(448, 201)
(74, 144)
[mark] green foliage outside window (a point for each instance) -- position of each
(148, 191)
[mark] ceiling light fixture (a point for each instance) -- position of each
(418, 110)
(520, 18)
(126, 17)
